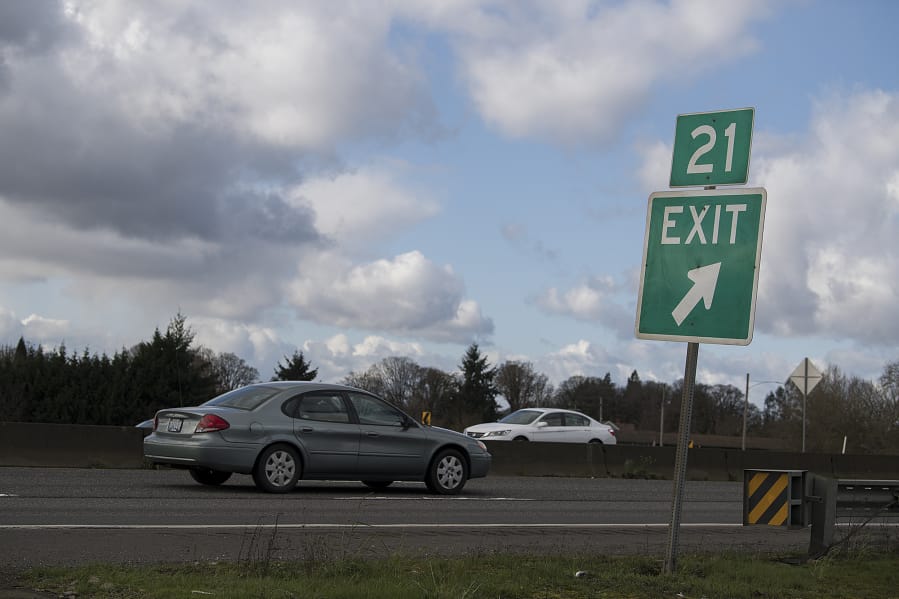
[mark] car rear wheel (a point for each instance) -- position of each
(448, 473)
(208, 476)
(377, 484)
(595, 441)
(277, 469)
(520, 439)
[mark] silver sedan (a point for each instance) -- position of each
(282, 432)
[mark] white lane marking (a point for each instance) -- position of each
(357, 525)
(8, 495)
(624, 526)
(395, 498)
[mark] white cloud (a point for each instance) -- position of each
(655, 169)
(408, 294)
(287, 73)
(576, 72)
(256, 344)
(829, 251)
(596, 299)
(358, 208)
(337, 356)
(583, 358)
(40, 327)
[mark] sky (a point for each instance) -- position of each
(364, 179)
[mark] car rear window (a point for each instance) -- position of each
(245, 398)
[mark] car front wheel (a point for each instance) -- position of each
(448, 473)
(277, 469)
(208, 476)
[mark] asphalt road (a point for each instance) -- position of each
(74, 516)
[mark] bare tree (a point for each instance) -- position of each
(394, 378)
(434, 393)
(229, 370)
(233, 372)
(521, 385)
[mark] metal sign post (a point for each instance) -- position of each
(806, 377)
(680, 462)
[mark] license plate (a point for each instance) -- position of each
(175, 425)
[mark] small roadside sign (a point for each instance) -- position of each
(806, 376)
(712, 148)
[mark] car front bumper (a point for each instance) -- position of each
(480, 465)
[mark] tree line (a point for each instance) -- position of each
(54, 386)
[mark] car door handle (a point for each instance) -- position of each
(307, 429)
(371, 434)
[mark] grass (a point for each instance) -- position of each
(729, 575)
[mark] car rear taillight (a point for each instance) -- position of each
(211, 423)
(612, 431)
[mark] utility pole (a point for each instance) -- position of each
(745, 410)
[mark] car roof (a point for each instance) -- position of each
(553, 410)
(307, 385)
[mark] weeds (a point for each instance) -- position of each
(257, 549)
(734, 576)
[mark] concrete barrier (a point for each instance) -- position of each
(75, 446)
(79, 446)
(628, 461)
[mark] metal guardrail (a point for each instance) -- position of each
(829, 498)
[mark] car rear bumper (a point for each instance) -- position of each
(208, 452)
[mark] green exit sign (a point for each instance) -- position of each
(700, 268)
(712, 148)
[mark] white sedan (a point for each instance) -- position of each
(545, 424)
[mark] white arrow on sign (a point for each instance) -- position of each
(705, 280)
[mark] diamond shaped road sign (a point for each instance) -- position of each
(700, 268)
(806, 376)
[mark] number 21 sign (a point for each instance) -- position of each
(712, 148)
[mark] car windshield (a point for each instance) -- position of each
(521, 417)
(245, 398)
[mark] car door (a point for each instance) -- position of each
(578, 428)
(390, 443)
(550, 427)
(322, 424)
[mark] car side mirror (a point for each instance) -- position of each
(542, 424)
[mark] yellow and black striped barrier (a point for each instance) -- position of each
(773, 497)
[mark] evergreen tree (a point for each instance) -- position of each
(21, 350)
(296, 369)
(477, 391)
(169, 372)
